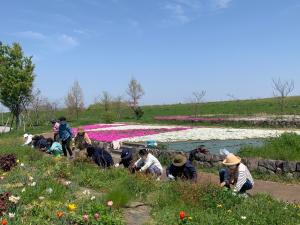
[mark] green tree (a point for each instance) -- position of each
(16, 79)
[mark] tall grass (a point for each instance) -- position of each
(285, 147)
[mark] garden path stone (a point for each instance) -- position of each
(137, 214)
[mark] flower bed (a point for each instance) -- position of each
(113, 135)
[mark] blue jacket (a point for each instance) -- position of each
(187, 171)
(65, 131)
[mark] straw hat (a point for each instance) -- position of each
(179, 160)
(231, 160)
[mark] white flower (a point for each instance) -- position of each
(41, 198)
(14, 199)
(23, 190)
(243, 217)
(67, 183)
(33, 184)
(11, 215)
(30, 178)
(93, 198)
(22, 164)
(1, 178)
(49, 190)
(86, 192)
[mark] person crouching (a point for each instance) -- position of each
(235, 173)
(181, 168)
(148, 164)
(100, 156)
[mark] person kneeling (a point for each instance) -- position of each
(100, 156)
(55, 148)
(236, 174)
(149, 164)
(181, 168)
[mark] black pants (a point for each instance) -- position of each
(66, 146)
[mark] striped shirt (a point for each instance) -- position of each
(243, 175)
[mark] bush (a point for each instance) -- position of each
(108, 117)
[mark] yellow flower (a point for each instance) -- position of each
(229, 211)
(72, 207)
(18, 161)
(219, 206)
(190, 218)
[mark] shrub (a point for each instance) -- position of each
(108, 117)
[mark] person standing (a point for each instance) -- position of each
(65, 135)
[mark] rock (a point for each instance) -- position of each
(216, 158)
(207, 164)
(278, 171)
(290, 175)
(262, 169)
(296, 175)
(271, 172)
(252, 164)
(268, 164)
(279, 163)
(289, 167)
(298, 167)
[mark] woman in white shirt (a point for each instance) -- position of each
(236, 174)
(148, 163)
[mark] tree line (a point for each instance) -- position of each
(26, 104)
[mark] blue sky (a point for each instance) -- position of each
(173, 47)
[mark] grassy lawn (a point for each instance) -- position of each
(95, 113)
(286, 147)
(202, 204)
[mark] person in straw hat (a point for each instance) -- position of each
(181, 168)
(235, 173)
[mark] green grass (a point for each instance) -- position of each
(204, 204)
(267, 106)
(286, 147)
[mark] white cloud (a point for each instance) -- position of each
(31, 35)
(67, 41)
(56, 42)
(222, 4)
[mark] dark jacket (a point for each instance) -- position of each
(126, 157)
(187, 171)
(65, 131)
(101, 157)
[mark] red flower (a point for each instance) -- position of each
(59, 214)
(4, 222)
(182, 215)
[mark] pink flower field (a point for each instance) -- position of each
(103, 133)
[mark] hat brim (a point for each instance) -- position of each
(180, 163)
(232, 163)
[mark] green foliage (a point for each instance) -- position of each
(16, 79)
(285, 147)
(108, 117)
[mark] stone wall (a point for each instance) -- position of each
(268, 166)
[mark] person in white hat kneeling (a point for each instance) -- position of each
(236, 174)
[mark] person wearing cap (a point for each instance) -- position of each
(236, 174)
(181, 168)
(148, 163)
(55, 129)
(126, 158)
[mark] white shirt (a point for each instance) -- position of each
(150, 161)
(243, 175)
(28, 140)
